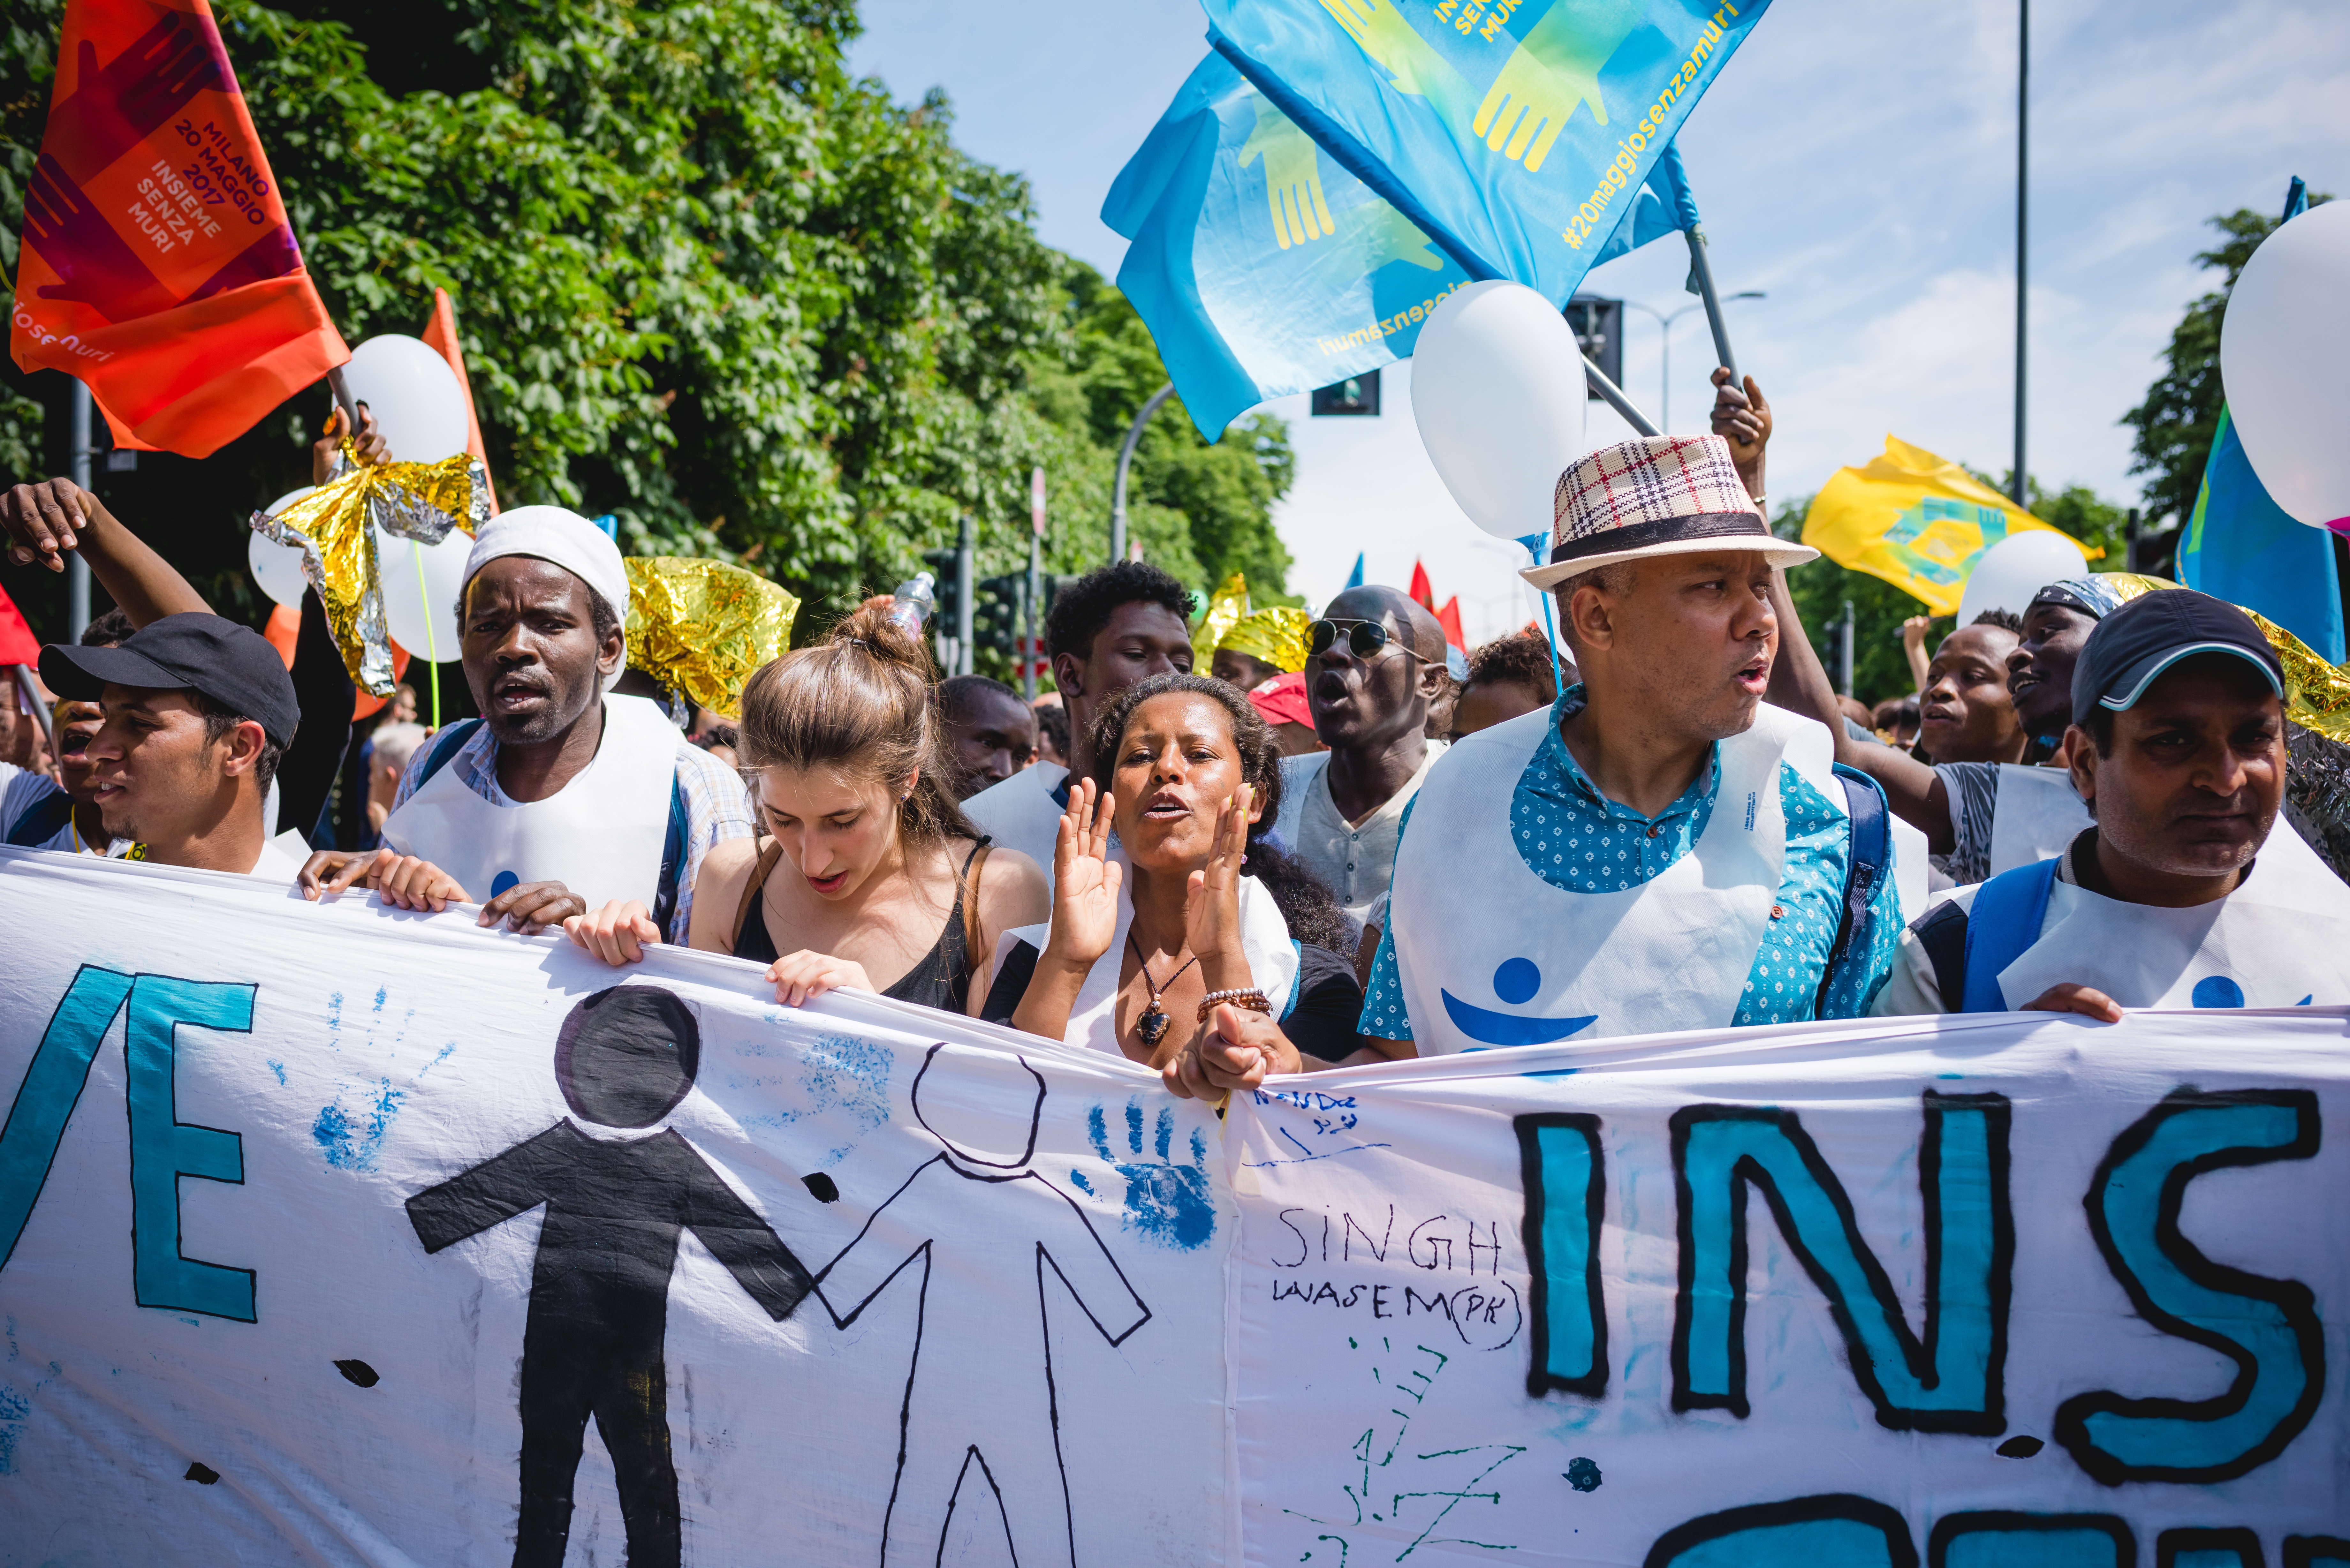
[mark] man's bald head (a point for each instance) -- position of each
(1368, 705)
(1399, 611)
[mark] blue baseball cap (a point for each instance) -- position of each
(2135, 644)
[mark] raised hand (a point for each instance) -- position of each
(1742, 416)
(1555, 67)
(1293, 177)
(46, 520)
(617, 933)
(1211, 899)
(327, 452)
(1086, 881)
(1238, 1050)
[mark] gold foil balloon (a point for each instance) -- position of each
(1276, 635)
(700, 627)
(1226, 606)
(334, 526)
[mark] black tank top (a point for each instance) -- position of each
(941, 978)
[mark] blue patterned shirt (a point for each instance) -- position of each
(1575, 838)
(717, 805)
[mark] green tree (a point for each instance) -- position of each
(2180, 415)
(705, 281)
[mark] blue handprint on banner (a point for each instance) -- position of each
(1167, 1203)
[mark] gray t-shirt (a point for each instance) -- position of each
(1974, 791)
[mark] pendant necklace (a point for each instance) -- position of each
(1153, 1022)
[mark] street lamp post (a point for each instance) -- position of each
(1665, 325)
(1126, 461)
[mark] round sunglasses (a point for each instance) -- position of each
(1364, 638)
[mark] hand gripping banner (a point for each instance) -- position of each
(329, 1234)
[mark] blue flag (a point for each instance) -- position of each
(1263, 269)
(1510, 131)
(2240, 545)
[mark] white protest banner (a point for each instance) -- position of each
(2017, 1290)
(335, 1235)
(329, 1234)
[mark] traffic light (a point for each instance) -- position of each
(996, 607)
(943, 588)
(1354, 395)
(1598, 326)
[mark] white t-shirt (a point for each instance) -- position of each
(1354, 860)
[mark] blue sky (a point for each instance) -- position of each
(1856, 162)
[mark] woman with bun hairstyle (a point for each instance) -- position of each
(1193, 945)
(864, 872)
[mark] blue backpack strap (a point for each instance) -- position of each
(2006, 920)
(445, 745)
(1868, 861)
(680, 824)
(43, 820)
(1297, 980)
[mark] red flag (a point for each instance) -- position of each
(1448, 618)
(440, 337)
(158, 266)
(1421, 588)
(17, 643)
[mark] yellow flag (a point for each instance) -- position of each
(1916, 520)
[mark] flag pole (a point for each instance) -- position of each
(78, 569)
(1615, 399)
(1703, 273)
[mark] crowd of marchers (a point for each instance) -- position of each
(1339, 842)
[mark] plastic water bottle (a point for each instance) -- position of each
(914, 600)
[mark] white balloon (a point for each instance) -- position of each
(277, 569)
(1497, 389)
(420, 591)
(2283, 347)
(2017, 567)
(419, 409)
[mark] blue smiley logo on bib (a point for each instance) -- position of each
(501, 882)
(1515, 982)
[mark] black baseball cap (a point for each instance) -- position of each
(234, 665)
(2154, 631)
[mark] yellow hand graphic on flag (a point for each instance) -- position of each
(1555, 67)
(1392, 43)
(1382, 235)
(1293, 177)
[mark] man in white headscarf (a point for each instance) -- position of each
(563, 795)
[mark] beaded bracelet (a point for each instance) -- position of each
(1248, 997)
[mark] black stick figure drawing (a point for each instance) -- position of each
(964, 1226)
(599, 1289)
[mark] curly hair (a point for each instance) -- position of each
(1081, 611)
(1521, 658)
(1311, 913)
(859, 701)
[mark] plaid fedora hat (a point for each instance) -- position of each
(1658, 496)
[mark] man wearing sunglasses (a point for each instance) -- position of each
(1373, 663)
(1657, 850)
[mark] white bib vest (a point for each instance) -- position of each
(1021, 813)
(2034, 816)
(601, 835)
(2281, 939)
(1264, 942)
(1491, 954)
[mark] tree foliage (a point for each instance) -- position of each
(705, 281)
(2181, 416)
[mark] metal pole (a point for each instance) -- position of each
(1125, 461)
(78, 569)
(1712, 303)
(2016, 488)
(1615, 399)
(963, 599)
(1034, 609)
(1844, 647)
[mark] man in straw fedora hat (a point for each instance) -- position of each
(1657, 850)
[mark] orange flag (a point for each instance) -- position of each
(158, 266)
(1448, 618)
(440, 337)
